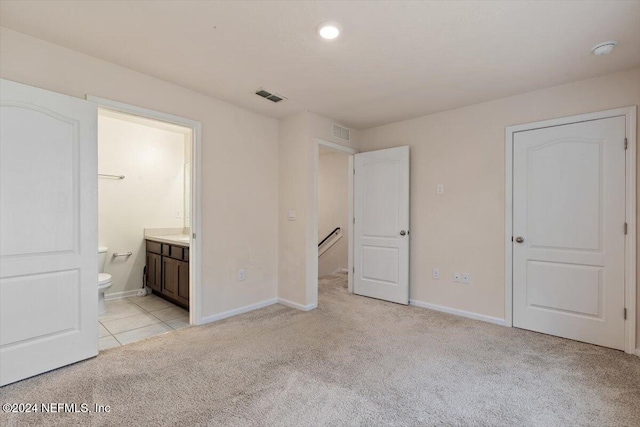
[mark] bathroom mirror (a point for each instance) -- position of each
(187, 195)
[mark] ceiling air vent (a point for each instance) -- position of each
(270, 96)
(341, 132)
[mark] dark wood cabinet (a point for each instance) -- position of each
(154, 271)
(169, 277)
(183, 282)
(168, 271)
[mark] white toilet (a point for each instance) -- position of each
(104, 279)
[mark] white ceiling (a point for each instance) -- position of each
(395, 60)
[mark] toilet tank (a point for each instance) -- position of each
(102, 258)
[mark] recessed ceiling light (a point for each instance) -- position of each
(604, 48)
(329, 30)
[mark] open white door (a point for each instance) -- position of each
(48, 224)
(381, 232)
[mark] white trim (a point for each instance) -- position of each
(631, 287)
(195, 248)
(120, 295)
(296, 305)
(238, 311)
(350, 245)
(312, 264)
(630, 114)
(508, 235)
(336, 147)
(455, 311)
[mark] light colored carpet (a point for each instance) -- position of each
(352, 361)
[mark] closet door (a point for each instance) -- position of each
(569, 231)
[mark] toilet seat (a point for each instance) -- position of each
(104, 280)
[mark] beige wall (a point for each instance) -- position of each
(152, 161)
(333, 209)
(297, 243)
(464, 229)
(295, 158)
(239, 162)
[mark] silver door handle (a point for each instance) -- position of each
(519, 239)
(402, 232)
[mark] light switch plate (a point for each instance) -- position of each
(291, 215)
(466, 277)
(456, 277)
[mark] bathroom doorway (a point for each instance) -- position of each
(147, 223)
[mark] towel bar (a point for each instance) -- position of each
(117, 254)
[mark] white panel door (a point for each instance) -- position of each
(381, 231)
(48, 225)
(568, 228)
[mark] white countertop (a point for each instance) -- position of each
(174, 239)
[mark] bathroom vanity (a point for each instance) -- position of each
(168, 268)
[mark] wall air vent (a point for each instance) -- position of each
(341, 132)
(270, 96)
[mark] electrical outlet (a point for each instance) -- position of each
(456, 277)
(435, 274)
(466, 277)
(440, 189)
(178, 214)
(241, 275)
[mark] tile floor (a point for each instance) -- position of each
(135, 318)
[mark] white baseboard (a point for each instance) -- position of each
(120, 295)
(237, 311)
(296, 305)
(468, 314)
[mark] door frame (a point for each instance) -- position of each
(630, 114)
(195, 249)
(350, 152)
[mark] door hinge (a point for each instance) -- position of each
(354, 220)
(626, 144)
(626, 228)
(512, 238)
(625, 314)
(354, 270)
(193, 235)
(354, 171)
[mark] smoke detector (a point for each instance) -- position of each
(270, 96)
(604, 48)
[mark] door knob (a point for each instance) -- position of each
(402, 232)
(519, 239)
